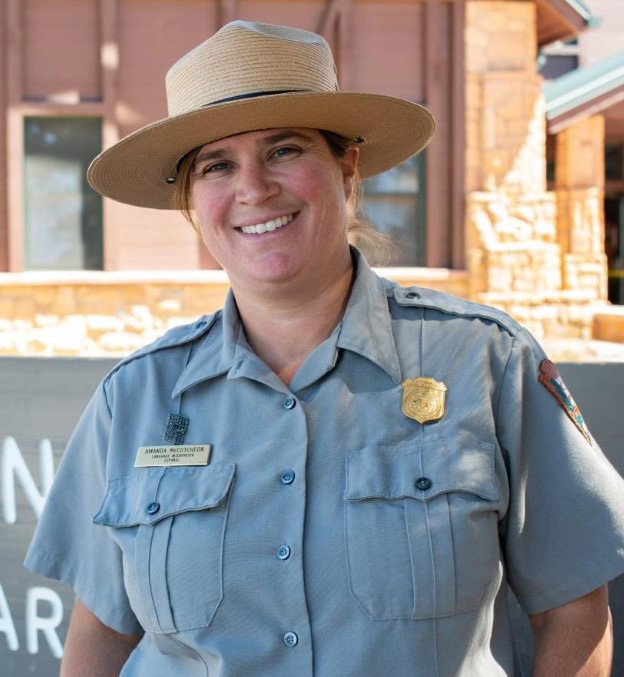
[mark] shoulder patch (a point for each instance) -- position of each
(550, 378)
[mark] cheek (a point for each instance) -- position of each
(210, 207)
(321, 186)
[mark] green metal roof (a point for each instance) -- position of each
(581, 8)
(584, 84)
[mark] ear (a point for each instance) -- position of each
(348, 166)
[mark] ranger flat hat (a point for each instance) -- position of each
(251, 76)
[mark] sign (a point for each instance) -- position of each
(41, 400)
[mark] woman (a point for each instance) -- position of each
(333, 475)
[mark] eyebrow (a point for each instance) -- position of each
(265, 141)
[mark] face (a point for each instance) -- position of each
(271, 207)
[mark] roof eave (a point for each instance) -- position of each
(585, 91)
(557, 121)
(561, 20)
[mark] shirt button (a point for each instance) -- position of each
(283, 552)
(423, 483)
(153, 508)
(412, 295)
(290, 639)
(287, 477)
(289, 403)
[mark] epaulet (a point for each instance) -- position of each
(452, 305)
(176, 336)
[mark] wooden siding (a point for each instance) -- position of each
(61, 50)
(153, 34)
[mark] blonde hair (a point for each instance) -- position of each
(376, 247)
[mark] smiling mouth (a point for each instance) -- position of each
(268, 226)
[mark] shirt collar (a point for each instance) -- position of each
(365, 329)
(366, 326)
(213, 354)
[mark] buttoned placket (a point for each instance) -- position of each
(289, 490)
(289, 561)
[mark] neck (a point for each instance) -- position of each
(283, 329)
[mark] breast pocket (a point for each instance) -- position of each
(421, 532)
(170, 525)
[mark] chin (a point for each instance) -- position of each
(275, 269)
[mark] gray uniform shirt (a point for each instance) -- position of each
(330, 534)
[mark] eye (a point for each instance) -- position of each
(285, 152)
(216, 167)
(213, 168)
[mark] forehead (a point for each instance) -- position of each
(263, 137)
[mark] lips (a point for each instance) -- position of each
(267, 226)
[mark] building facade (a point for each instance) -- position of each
(587, 101)
(473, 215)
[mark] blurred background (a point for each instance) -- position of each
(518, 202)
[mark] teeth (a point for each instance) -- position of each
(274, 224)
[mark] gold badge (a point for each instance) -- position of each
(423, 399)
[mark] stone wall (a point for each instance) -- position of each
(94, 314)
(99, 313)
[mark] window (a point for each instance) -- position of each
(613, 161)
(63, 215)
(556, 65)
(394, 202)
(551, 172)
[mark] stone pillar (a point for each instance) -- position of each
(579, 187)
(511, 218)
(513, 255)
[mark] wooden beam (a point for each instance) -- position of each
(227, 10)
(344, 45)
(458, 142)
(4, 215)
(109, 91)
(335, 26)
(15, 133)
(328, 19)
(437, 237)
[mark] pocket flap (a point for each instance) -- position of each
(148, 495)
(445, 465)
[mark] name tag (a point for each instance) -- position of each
(177, 454)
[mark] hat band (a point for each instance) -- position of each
(252, 95)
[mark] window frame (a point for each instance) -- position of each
(99, 210)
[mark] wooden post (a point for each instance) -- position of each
(335, 26)
(15, 133)
(227, 10)
(458, 143)
(109, 91)
(344, 32)
(437, 236)
(4, 234)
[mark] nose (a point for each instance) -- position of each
(254, 184)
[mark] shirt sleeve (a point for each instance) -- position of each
(67, 545)
(563, 535)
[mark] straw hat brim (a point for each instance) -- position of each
(135, 170)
